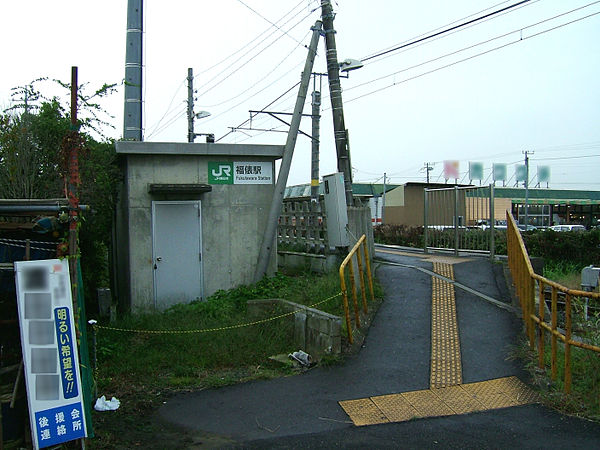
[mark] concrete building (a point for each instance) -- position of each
(191, 219)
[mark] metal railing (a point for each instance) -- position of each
(348, 262)
(525, 280)
(459, 218)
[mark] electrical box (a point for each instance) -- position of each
(589, 278)
(336, 210)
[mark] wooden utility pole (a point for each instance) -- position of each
(335, 94)
(73, 187)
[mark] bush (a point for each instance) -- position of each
(399, 235)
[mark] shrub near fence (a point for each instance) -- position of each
(399, 235)
(578, 248)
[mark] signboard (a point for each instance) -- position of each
(49, 345)
(543, 174)
(521, 172)
(475, 171)
(451, 169)
(245, 172)
(500, 172)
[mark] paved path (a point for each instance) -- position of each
(304, 411)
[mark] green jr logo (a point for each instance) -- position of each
(220, 173)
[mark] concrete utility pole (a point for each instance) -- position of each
(190, 105)
(132, 119)
(527, 153)
(335, 94)
(428, 168)
(286, 161)
(383, 199)
(316, 117)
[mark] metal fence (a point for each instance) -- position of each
(545, 319)
(459, 218)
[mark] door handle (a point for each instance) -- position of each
(159, 259)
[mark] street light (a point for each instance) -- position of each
(210, 137)
(350, 64)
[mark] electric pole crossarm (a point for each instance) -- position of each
(289, 125)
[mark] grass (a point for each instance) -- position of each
(144, 369)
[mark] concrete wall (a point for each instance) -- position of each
(316, 332)
(233, 216)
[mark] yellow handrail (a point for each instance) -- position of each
(524, 279)
(355, 251)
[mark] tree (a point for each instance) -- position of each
(33, 164)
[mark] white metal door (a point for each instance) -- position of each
(177, 252)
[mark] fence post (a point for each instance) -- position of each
(425, 222)
(554, 326)
(541, 304)
(492, 224)
(568, 344)
(456, 220)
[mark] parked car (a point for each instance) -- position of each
(567, 228)
(529, 227)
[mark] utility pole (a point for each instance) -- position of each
(73, 188)
(132, 119)
(335, 94)
(527, 153)
(286, 160)
(316, 117)
(190, 105)
(428, 168)
(383, 199)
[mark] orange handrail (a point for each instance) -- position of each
(525, 279)
(355, 251)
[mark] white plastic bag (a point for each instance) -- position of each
(107, 405)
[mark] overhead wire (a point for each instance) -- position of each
(248, 43)
(267, 20)
(521, 39)
(439, 33)
(221, 78)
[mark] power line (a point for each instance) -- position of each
(439, 33)
(250, 42)
(468, 58)
(221, 79)
(273, 24)
(487, 41)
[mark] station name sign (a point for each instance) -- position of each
(244, 172)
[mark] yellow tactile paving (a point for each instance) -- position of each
(459, 400)
(427, 404)
(446, 368)
(446, 395)
(363, 412)
(395, 407)
(452, 400)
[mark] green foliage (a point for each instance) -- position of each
(576, 247)
(399, 235)
(34, 164)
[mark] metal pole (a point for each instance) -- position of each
(425, 222)
(492, 223)
(132, 119)
(286, 161)
(383, 199)
(314, 175)
(190, 105)
(526, 189)
(335, 94)
(456, 220)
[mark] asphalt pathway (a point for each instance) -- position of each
(303, 412)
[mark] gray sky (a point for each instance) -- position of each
(460, 97)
